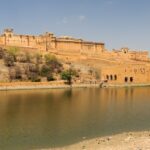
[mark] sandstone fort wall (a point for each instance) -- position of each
(68, 46)
(65, 44)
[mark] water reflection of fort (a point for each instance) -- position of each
(31, 101)
(73, 113)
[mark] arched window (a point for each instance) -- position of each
(111, 77)
(115, 77)
(131, 79)
(126, 79)
(107, 77)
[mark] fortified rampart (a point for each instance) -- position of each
(48, 42)
(126, 66)
(67, 46)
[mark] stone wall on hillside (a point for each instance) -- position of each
(48, 42)
(66, 45)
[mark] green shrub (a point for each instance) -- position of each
(34, 68)
(36, 80)
(13, 50)
(34, 77)
(9, 59)
(39, 58)
(50, 78)
(1, 53)
(22, 57)
(18, 72)
(45, 70)
(49, 58)
(66, 75)
(53, 63)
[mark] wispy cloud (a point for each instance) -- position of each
(82, 18)
(109, 2)
(71, 19)
(65, 20)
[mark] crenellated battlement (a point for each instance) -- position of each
(66, 44)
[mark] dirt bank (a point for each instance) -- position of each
(41, 85)
(124, 141)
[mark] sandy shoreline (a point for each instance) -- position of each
(55, 85)
(41, 85)
(34, 86)
(124, 141)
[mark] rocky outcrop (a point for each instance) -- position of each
(4, 72)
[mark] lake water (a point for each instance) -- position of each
(54, 118)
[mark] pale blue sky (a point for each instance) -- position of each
(117, 23)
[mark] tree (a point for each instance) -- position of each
(68, 74)
(13, 51)
(15, 73)
(50, 58)
(34, 77)
(1, 53)
(50, 77)
(45, 70)
(34, 68)
(53, 63)
(39, 58)
(10, 56)
(9, 59)
(18, 72)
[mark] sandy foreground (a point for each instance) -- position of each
(125, 141)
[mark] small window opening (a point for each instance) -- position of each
(115, 77)
(111, 77)
(131, 79)
(126, 79)
(107, 77)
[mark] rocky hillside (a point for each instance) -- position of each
(22, 65)
(4, 72)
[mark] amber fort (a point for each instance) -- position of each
(123, 66)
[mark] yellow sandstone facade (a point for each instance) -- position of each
(127, 66)
(65, 44)
(126, 74)
(48, 42)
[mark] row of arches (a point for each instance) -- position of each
(128, 79)
(111, 77)
(114, 78)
